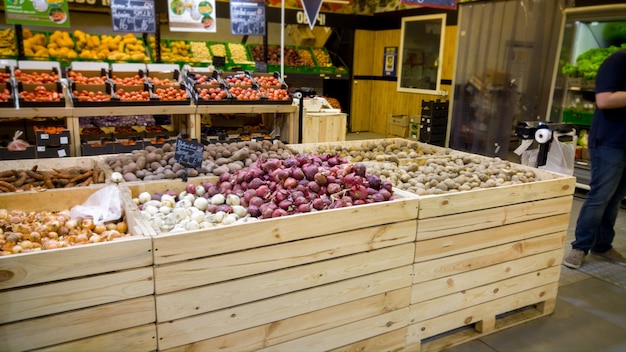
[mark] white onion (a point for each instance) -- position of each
(200, 191)
(229, 219)
(201, 203)
(219, 216)
(232, 199)
(218, 199)
(144, 197)
(239, 211)
(151, 210)
(180, 213)
(117, 177)
(197, 216)
(192, 225)
(167, 200)
(164, 209)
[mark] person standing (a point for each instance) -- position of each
(595, 226)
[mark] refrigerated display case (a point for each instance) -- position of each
(588, 36)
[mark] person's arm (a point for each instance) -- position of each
(611, 100)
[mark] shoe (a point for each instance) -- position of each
(574, 259)
(611, 256)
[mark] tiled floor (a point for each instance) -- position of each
(590, 313)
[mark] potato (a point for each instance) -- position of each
(129, 177)
(141, 162)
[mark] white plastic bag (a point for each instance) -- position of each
(529, 157)
(561, 155)
(104, 205)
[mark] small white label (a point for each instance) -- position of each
(64, 140)
(253, 140)
(275, 141)
(41, 148)
(45, 136)
(61, 153)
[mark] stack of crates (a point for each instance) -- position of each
(434, 122)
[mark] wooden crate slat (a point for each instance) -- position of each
(452, 203)
(87, 162)
(302, 325)
(460, 263)
(454, 244)
(390, 341)
(78, 324)
(482, 219)
(463, 281)
(61, 296)
(204, 299)
(204, 326)
(449, 303)
(187, 274)
(73, 262)
(483, 315)
(196, 244)
(348, 333)
(141, 338)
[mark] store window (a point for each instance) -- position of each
(421, 50)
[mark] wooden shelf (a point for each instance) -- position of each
(288, 131)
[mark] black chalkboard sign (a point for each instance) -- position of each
(247, 17)
(133, 16)
(219, 61)
(260, 66)
(188, 153)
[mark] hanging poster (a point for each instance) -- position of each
(133, 16)
(449, 4)
(247, 17)
(49, 13)
(191, 15)
(390, 60)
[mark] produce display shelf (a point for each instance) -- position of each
(379, 277)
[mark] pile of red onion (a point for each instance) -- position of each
(272, 187)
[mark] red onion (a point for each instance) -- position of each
(333, 188)
(255, 183)
(310, 171)
(320, 178)
(359, 169)
(303, 208)
(290, 183)
(318, 204)
(263, 191)
(314, 187)
(253, 210)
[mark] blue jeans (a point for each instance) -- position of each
(596, 221)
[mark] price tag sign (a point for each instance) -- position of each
(219, 61)
(188, 153)
(247, 17)
(133, 16)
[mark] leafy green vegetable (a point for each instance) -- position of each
(587, 63)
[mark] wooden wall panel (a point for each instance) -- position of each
(360, 108)
(374, 100)
(364, 49)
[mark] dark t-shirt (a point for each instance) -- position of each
(609, 125)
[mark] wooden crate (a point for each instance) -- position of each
(323, 127)
(82, 292)
(328, 285)
(487, 259)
